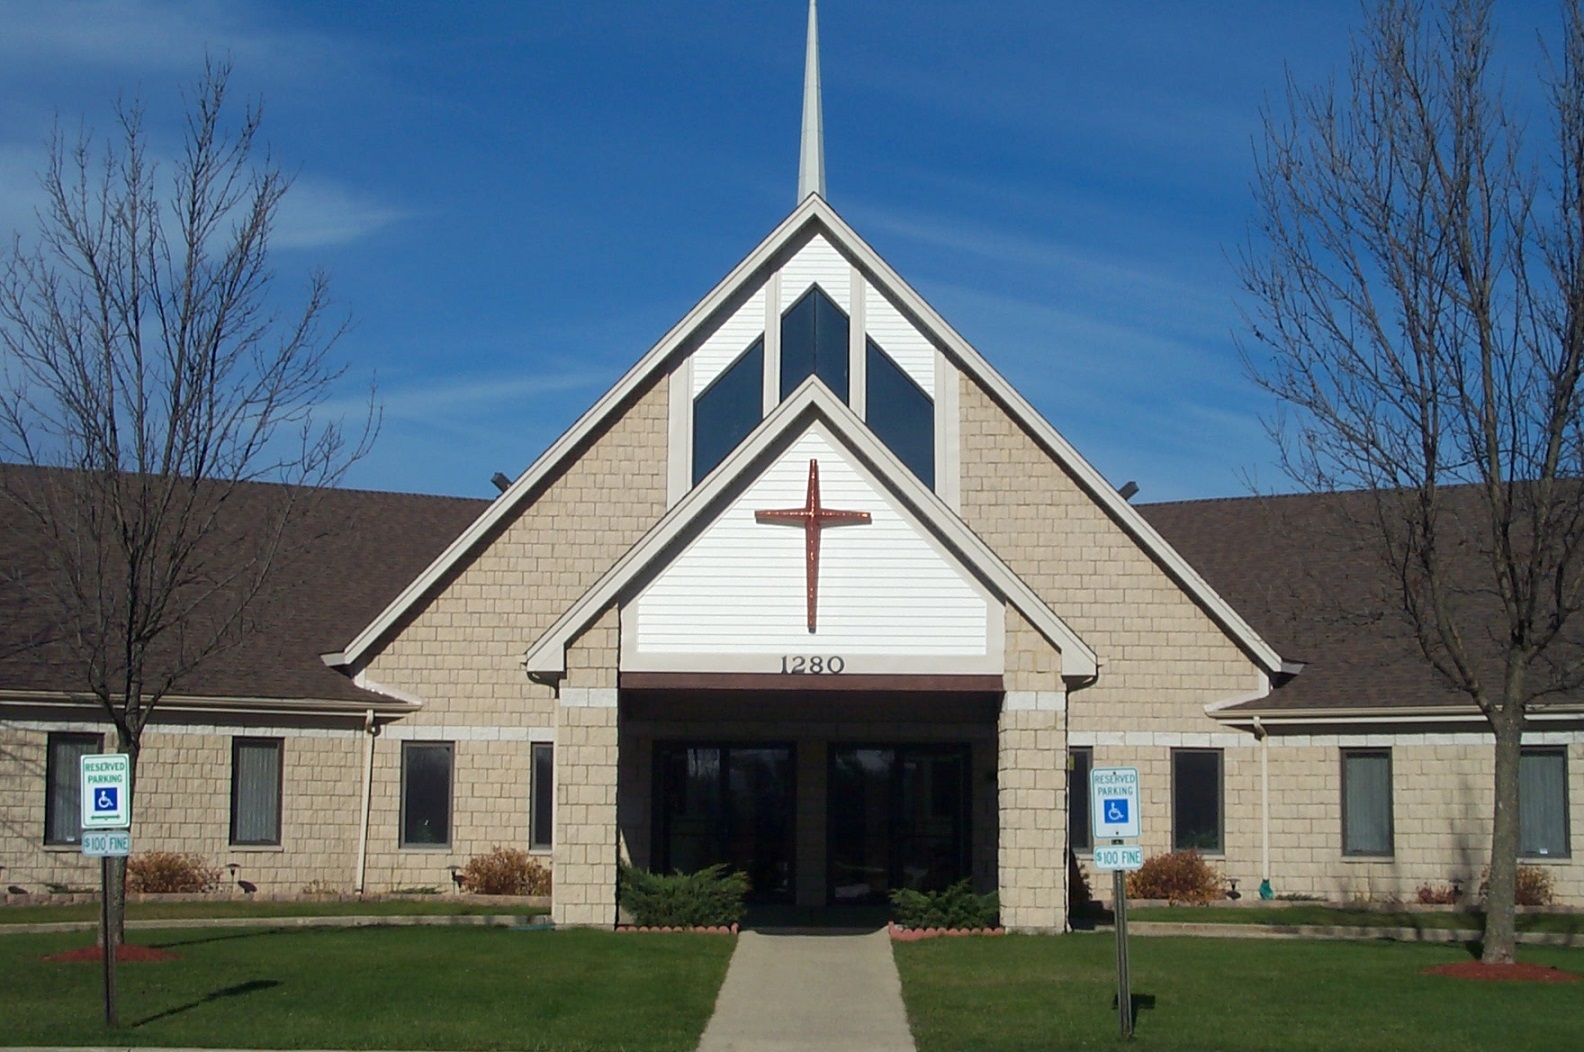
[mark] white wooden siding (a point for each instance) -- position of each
(884, 587)
(901, 342)
(817, 261)
(728, 342)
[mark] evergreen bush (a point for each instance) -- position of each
(709, 898)
(956, 907)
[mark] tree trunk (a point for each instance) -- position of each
(1501, 897)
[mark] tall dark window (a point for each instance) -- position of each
(1366, 802)
(541, 823)
(1543, 804)
(426, 794)
(256, 791)
(730, 407)
(63, 785)
(814, 342)
(1196, 800)
(900, 413)
(1080, 831)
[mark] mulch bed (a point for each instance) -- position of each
(126, 953)
(1518, 971)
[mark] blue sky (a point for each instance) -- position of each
(515, 200)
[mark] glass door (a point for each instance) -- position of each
(898, 818)
(731, 804)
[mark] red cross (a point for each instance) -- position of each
(813, 518)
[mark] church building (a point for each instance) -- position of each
(814, 592)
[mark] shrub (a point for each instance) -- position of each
(712, 897)
(505, 871)
(1534, 886)
(1179, 877)
(1438, 894)
(165, 872)
(956, 907)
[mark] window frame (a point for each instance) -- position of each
(539, 791)
(1561, 752)
(52, 837)
(444, 844)
(839, 363)
(278, 746)
(748, 366)
(1349, 851)
(1219, 850)
(890, 427)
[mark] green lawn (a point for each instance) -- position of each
(1342, 917)
(205, 908)
(374, 988)
(1043, 992)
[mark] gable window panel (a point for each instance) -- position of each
(814, 343)
(725, 411)
(1080, 831)
(63, 785)
(541, 823)
(1543, 804)
(900, 414)
(426, 794)
(256, 791)
(1196, 801)
(1367, 802)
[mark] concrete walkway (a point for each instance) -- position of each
(787, 993)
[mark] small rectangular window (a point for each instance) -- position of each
(1543, 804)
(63, 785)
(426, 794)
(1196, 800)
(256, 791)
(542, 821)
(1080, 832)
(1367, 802)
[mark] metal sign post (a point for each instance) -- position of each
(1114, 815)
(105, 789)
(1124, 980)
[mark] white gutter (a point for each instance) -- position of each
(1264, 740)
(370, 732)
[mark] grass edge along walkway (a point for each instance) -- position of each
(381, 987)
(1037, 992)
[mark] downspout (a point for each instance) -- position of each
(370, 732)
(1264, 740)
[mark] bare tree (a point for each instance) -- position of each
(152, 375)
(1417, 265)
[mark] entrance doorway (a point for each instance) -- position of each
(898, 818)
(728, 803)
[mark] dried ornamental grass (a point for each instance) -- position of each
(170, 872)
(505, 871)
(1181, 877)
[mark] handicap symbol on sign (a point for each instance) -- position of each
(105, 799)
(1116, 812)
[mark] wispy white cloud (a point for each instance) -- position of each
(316, 212)
(457, 402)
(153, 35)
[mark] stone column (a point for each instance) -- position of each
(1032, 781)
(587, 755)
(584, 856)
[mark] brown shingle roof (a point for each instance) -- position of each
(1305, 572)
(351, 553)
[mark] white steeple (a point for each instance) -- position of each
(811, 162)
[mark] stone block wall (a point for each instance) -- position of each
(182, 803)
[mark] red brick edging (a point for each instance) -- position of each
(720, 929)
(915, 934)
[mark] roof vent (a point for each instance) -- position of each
(1128, 489)
(502, 483)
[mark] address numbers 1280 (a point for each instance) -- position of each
(799, 665)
